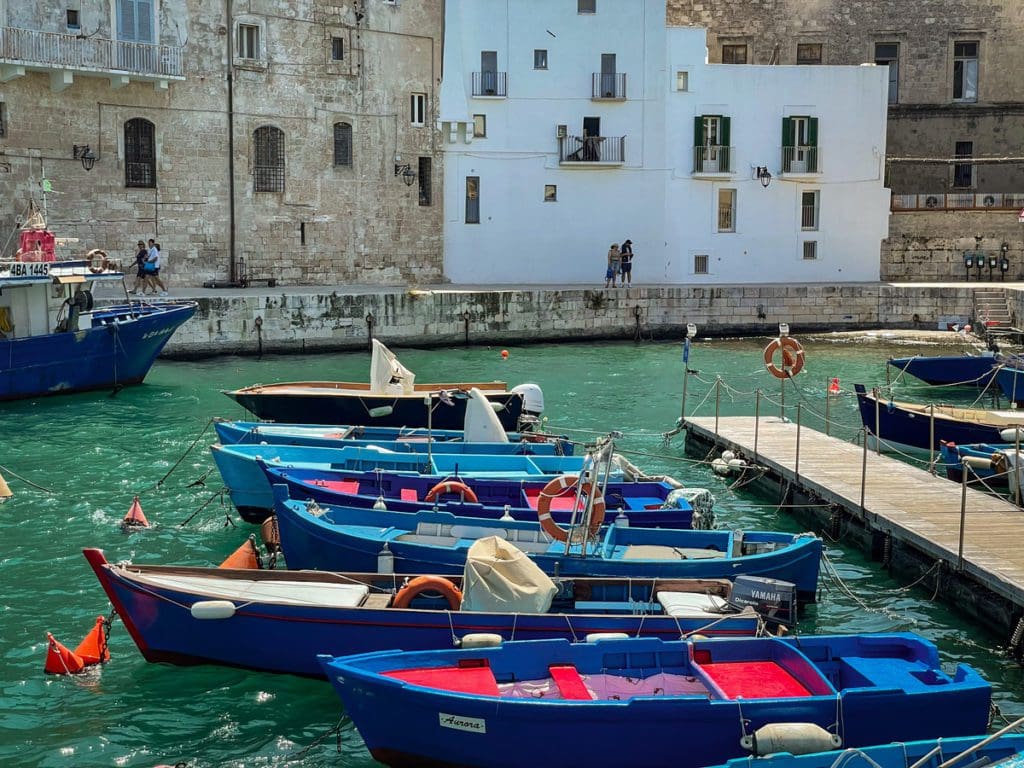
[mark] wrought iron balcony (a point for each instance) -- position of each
(490, 84)
(609, 85)
(591, 150)
(713, 159)
(801, 159)
(52, 51)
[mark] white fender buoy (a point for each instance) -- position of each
(1011, 435)
(728, 456)
(719, 467)
(212, 609)
(596, 637)
(737, 464)
(795, 738)
(480, 640)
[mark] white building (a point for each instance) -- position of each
(570, 125)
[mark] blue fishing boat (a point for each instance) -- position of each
(928, 753)
(344, 538)
(412, 440)
(950, 370)
(55, 340)
(912, 425)
(1010, 379)
(655, 503)
(996, 465)
(278, 621)
(650, 702)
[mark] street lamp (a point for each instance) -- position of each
(85, 154)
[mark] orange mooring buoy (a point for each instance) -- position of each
(246, 556)
(60, 660)
(93, 649)
(134, 517)
(833, 386)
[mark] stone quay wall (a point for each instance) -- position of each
(295, 322)
(929, 246)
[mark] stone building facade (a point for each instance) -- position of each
(956, 93)
(285, 139)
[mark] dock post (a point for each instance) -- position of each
(878, 437)
(796, 468)
(718, 400)
(964, 467)
(1016, 464)
(931, 436)
(863, 472)
(782, 400)
(828, 406)
(757, 419)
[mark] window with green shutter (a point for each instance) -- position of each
(698, 143)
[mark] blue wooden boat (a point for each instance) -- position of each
(278, 621)
(932, 753)
(661, 503)
(344, 538)
(650, 702)
(250, 490)
(950, 370)
(992, 465)
(412, 440)
(909, 425)
(53, 340)
(1011, 383)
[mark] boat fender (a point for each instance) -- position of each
(737, 464)
(979, 462)
(795, 738)
(728, 456)
(271, 535)
(1011, 435)
(380, 505)
(422, 584)
(596, 637)
(385, 560)
(480, 640)
(720, 467)
(212, 609)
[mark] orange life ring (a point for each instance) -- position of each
(556, 487)
(422, 584)
(97, 260)
(451, 486)
(792, 357)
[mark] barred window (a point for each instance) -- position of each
(342, 144)
(268, 155)
(139, 153)
(424, 177)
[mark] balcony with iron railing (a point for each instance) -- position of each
(958, 201)
(713, 160)
(30, 49)
(490, 84)
(589, 151)
(608, 86)
(801, 160)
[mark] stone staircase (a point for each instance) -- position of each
(992, 313)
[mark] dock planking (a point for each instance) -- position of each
(903, 500)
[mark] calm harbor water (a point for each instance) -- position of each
(94, 452)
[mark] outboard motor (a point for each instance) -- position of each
(774, 600)
(533, 398)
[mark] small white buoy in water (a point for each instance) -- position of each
(720, 467)
(728, 456)
(795, 738)
(380, 505)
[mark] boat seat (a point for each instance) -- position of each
(377, 600)
(661, 552)
(478, 678)
(282, 592)
(753, 680)
(692, 604)
(570, 684)
(341, 486)
(890, 673)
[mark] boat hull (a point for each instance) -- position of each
(115, 354)
(949, 370)
(1011, 384)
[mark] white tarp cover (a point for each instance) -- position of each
(387, 375)
(481, 423)
(500, 578)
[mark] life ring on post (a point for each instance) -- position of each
(451, 486)
(556, 487)
(97, 260)
(422, 584)
(792, 357)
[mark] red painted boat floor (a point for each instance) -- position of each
(478, 679)
(754, 680)
(343, 486)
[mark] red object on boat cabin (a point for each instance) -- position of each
(37, 245)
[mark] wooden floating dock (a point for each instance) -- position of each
(909, 519)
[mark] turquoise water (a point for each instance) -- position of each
(94, 452)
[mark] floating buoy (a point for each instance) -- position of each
(93, 649)
(728, 456)
(246, 556)
(720, 467)
(795, 738)
(60, 660)
(833, 386)
(5, 490)
(504, 354)
(134, 517)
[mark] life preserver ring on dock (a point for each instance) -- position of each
(97, 260)
(792, 357)
(422, 584)
(451, 486)
(556, 487)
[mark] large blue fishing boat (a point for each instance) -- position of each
(54, 339)
(950, 370)
(649, 702)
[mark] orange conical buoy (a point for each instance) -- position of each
(246, 556)
(5, 490)
(93, 649)
(134, 518)
(61, 661)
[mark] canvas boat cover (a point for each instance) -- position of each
(500, 578)
(387, 375)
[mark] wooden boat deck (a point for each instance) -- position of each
(904, 501)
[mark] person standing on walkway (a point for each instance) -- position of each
(141, 254)
(626, 257)
(614, 261)
(153, 268)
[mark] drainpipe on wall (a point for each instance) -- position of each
(232, 269)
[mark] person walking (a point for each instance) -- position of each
(614, 260)
(153, 268)
(141, 254)
(626, 262)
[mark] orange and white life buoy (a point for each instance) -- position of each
(792, 357)
(97, 260)
(556, 487)
(422, 584)
(451, 486)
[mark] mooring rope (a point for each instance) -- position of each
(12, 473)
(178, 462)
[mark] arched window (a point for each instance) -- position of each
(139, 153)
(342, 144)
(268, 166)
